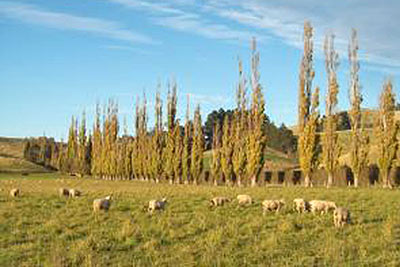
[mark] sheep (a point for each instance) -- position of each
(244, 200)
(300, 205)
(156, 205)
(63, 192)
(341, 216)
(322, 206)
(219, 201)
(14, 192)
(74, 193)
(102, 204)
(273, 205)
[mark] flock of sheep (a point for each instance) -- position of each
(341, 215)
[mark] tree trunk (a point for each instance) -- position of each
(157, 180)
(215, 182)
(330, 180)
(253, 180)
(239, 182)
(307, 181)
(355, 180)
(171, 181)
(386, 180)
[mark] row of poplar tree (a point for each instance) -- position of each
(175, 153)
(324, 149)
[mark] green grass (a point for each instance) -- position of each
(41, 229)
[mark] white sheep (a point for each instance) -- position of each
(273, 205)
(321, 206)
(63, 192)
(14, 192)
(74, 193)
(244, 200)
(157, 205)
(219, 201)
(102, 204)
(300, 205)
(341, 216)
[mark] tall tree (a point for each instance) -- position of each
(227, 150)
(136, 166)
(256, 135)
(386, 133)
(177, 159)
(72, 146)
(196, 167)
(308, 141)
(240, 129)
(186, 160)
(97, 144)
(158, 141)
(308, 109)
(170, 142)
(216, 154)
(330, 145)
(359, 138)
(82, 143)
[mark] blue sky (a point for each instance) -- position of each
(59, 58)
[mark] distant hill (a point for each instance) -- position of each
(11, 157)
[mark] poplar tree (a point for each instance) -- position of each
(72, 146)
(97, 145)
(170, 142)
(196, 167)
(82, 142)
(216, 171)
(386, 133)
(240, 129)
(359, 138)
(158, 141)
(136, 144)
(126, 153)
(177, 159)
(114, 129)
(256, 139)
(227, 150)
(61, 157)
(330, 144)
(308, 140)
(186, 160)
(308, 109)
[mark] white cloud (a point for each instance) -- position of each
(64, 21)
(178, 19)
(377, 23)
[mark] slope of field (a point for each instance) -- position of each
(42, 229)
(11, 157)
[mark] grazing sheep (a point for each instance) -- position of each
(63, 192)
(273, 205)
(14, 192)
(244, 200)
(300, 205)
(102, 204)
(219, 201)
(74, 193)
(156, 205)
(341, 216)
(322, 206)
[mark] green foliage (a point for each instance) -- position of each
(386, 130)
(196, 166)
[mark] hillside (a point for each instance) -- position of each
(11, 157)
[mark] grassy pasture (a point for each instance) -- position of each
(41, 229)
